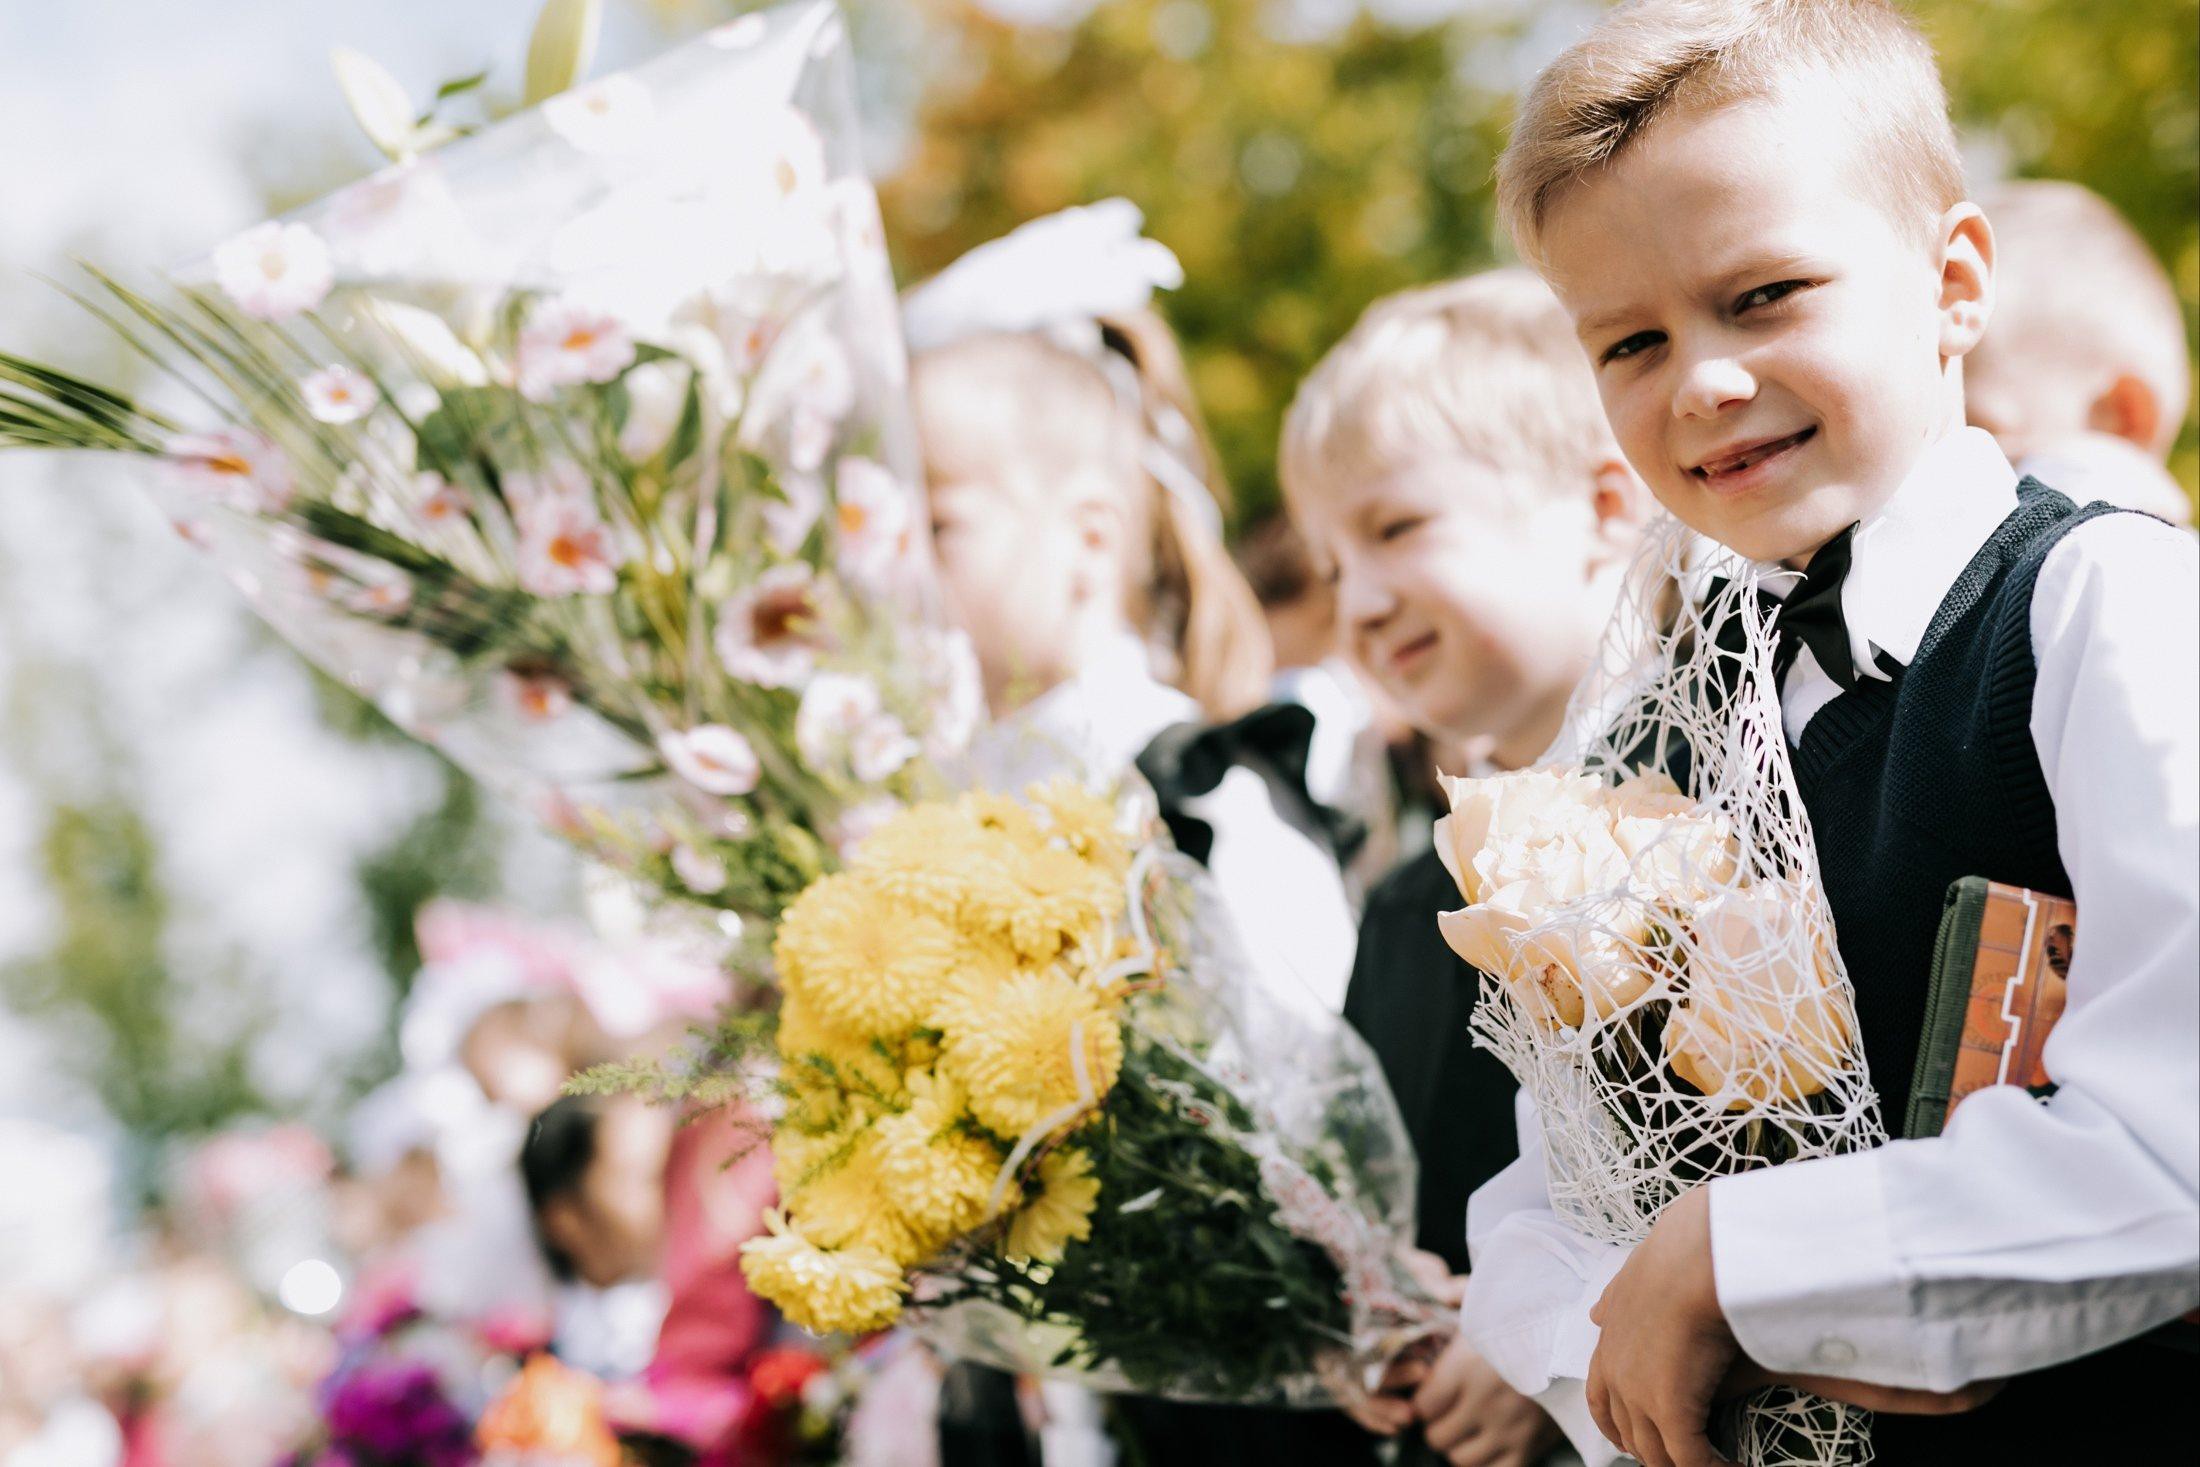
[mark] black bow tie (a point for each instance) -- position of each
(1187, 761)
(1811, 616)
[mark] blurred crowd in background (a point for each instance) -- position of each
(282, 993)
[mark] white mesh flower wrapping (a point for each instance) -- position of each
(1660, 971)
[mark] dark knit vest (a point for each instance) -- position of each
(1912, 783)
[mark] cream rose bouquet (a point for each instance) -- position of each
(1659, 966)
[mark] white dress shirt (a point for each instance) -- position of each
(2028, 1233)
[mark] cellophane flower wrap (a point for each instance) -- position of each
(1037, 1105)
(1658, 957)
(581, 446)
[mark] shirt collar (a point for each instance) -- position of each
(1908, 553)
(1095, 723)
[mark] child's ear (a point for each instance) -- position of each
(1094, 510)
(1621, 504)
(2128, 410)
(1966, 278)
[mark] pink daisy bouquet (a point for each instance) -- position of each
(580, 446)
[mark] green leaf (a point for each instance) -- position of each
(563, 43)
(459, 85)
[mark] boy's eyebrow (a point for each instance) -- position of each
(1601, 322)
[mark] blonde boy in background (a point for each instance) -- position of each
(1450, 468)
(2083, 376)
(1754, 212)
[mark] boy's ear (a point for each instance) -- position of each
(2129, 410)
(1966, 278)
(1620, 501)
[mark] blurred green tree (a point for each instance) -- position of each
(1297, 179)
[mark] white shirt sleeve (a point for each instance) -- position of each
(2030, 1233)
(1533, 1283)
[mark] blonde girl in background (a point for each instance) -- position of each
(1077, 514)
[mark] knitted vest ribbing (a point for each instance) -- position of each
(1914, 782)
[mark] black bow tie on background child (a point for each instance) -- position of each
(1190, 759)
(1811, 616)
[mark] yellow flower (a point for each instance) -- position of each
(1061, 1211)
(845, 1291)
(847, 1203)
(939, 860)
(940, 1176)
(983, 965)
(1062, 898)
(1086, 822)
(1765, 1017)
(1018, 1053)
(1005, 814)
(871, 965)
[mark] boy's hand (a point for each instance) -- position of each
(1666, 1353)
(1665, 1348)
(1470, 1416)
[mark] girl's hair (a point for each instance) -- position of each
(1043, 400)
(554, 1162)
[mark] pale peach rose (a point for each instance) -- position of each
(1558, 977)
(1681, 853)
(1678, 860)
(1520, 846)
(1764, 1015)
(1651, 794)
(1522, 807)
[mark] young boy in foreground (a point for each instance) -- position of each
(1754, 212)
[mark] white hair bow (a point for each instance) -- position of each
(1057, 275)
(1059, 270)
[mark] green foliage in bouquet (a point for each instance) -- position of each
(1191, 1282)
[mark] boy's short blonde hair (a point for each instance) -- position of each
(1653, 57)
(2079, 298)
(1486, 367)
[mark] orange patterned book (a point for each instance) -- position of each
(2000, 980)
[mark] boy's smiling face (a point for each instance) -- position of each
(1465, 598)
(1773, 341)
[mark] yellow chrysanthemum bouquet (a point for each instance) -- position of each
(1033, 1104)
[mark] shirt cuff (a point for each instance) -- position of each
(1807, 1272)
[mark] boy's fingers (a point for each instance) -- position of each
(1600, 1402)
(1681, 1438)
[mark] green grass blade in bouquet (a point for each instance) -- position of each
(581, 447)
(1035, 1102)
